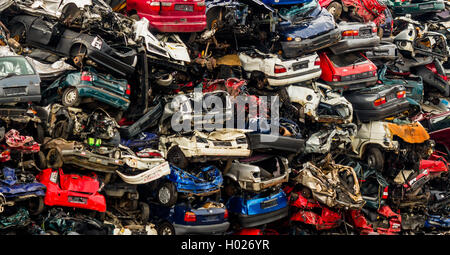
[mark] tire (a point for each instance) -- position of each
(335, 9)
(61, 130)
(145, 212)
(165, 228)
(176, 157)
(54, 159)
(70, 97)
(41, 160)
(374, 158)
(36, 205)
(167, 194)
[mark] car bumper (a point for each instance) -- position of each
(419, 8)
(350, 45)
(99, 95)
(201, 229)
(277, 142)
(20, 99)
(248, 221)
(353, 85)
(297, 77)
(294, 49)
(189, 25)
(393, 109)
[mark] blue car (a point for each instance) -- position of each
(202, 182)
(436, 221)
(143, 140)
(250, 210)
(12, 192)
(306, 29)
(184, 218)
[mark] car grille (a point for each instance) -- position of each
(15, 91)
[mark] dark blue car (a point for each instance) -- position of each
(250, 210)
(305, 29)
(437, 221)
(184, 218)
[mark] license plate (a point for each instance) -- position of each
(390, 97)
(211, 218)
(269, 203)
(78, 200)
(298, 66)
(15, 91)
(221, 143)
(426, 6)
(365, 32)
(184, 7)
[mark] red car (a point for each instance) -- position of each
(348, 71)
(171, 15)
(72, 190)
(438, 127)
(364, 10)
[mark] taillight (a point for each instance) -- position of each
(317, 62)
(190, 217)
(401, 94)
(128, 91)
(350, 33)
(85, 76)
(379, 101)
(155, 6)
(374, 73)
(385, 193)
(225, 215)
(167, 6)
(200, 6)
(279, 69)
(148, 154)
(336, 78)
(375, 29)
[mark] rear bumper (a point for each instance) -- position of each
(201, 229)
(292, 49)
(353, 85)
(350, 45)
(248, 221)
(176, 24)
(393, 109)
(296, 77)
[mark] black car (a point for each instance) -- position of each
(52, 36)
(378, 102)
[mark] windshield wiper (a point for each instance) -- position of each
(8, 75)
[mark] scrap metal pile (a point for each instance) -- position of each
(242, 117)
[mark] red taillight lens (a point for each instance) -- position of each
(128, 91)
(167, 6)
(379, 101)
(85, 76)
(350, 33)
(155, 6)
(279, 69)
(375, 29)
(225, 215)
(336, 78)
(317, 62)
(385, 193)
(148, 154)
(401, 94)
(200, 6)
(374, 73)
(190, 217)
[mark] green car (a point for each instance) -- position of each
(75, 87)
(416, 7)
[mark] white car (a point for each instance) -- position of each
(281, 72)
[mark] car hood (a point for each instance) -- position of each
(318, 22)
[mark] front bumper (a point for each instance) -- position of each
(350, 45)
(353, 85)
(371, 115)
(248, 221)
(292, 49)
(201, 229)
(297, 77)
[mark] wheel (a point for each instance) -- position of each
(335, 9)
(61, 130)
(165, 228)
(375, 158)
(36, 205)
(145, 212)
(167, 194)
(54, 159)
(176, 157)
(70, 97)
(41, 160)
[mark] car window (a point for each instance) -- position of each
(15, 65)
(440, 123)
(298, 12)
(347, 60)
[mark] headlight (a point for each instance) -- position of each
(131, 162)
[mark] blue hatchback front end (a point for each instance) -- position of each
(258, 209)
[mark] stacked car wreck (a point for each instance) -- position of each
(224, 117)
